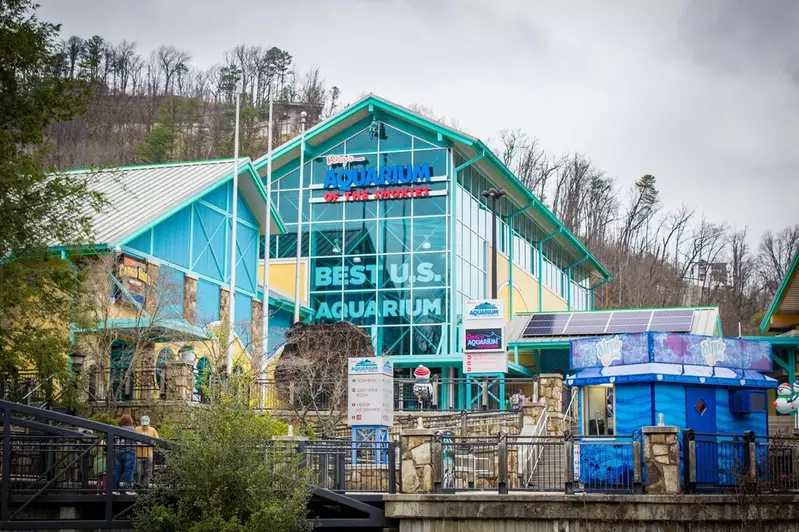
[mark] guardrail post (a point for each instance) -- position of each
(568, 466)
(392, 467)
(302, 463)
(502, 458)
(109, 476)
(750, 456)
(689, 460)
(637, 484)
(484, 393)
(437, 456)
(6, 481)
(341, 468)
(464, 424)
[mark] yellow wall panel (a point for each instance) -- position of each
(525, 293)
(282, 276)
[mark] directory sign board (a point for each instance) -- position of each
(483, 343)
(370, 392)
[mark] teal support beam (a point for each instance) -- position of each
(516, 354)
(541, 266)
(501, 397)
(569, 280)
(452, 250)
(510, 218)
(788, 365)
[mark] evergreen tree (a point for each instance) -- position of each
(38, 209)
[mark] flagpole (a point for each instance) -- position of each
(299, 220)
(268, 233)
(234, 223)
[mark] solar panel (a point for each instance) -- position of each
(546, 325)
(608, 322)
(671, 320)
(587, 323)
(629, 322)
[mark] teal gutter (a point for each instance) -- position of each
(558, 344)
(511, 216)
(541, 267)
(764, 325)
(453, 232)
(774, 340)
(569, 286)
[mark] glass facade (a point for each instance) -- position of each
(380, 264)
(384, 264)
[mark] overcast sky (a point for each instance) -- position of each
(703, 95)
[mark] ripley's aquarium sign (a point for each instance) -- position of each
(354, 277)
(484, 339)
(413, 180)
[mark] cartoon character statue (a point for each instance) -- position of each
(787, 399)
(422, 388)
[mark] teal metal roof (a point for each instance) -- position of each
(140, 197)
(787, 297)
(468, 145)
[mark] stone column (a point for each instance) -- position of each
(550, 387)
(257, 333)
(151, 293)
(224, 304)
(661, 459)
(190, 298)
(417, 461)
(179, 378)
(144, 378)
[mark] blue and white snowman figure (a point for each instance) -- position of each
(787, 402)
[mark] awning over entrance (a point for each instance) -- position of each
(686, 374)
(163, 330)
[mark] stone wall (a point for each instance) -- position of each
(189, 298)
(591, 513)
(417, 464)
(661, 459)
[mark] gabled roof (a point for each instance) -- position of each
(142, 196)
(471, 147)
(785, 302)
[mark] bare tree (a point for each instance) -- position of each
(776, 251)
(312, 372)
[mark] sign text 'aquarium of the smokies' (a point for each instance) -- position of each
(351, 178)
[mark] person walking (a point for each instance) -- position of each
(144, 453)
(124, 457)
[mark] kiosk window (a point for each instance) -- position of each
(599, 410)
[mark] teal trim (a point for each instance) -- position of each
(569, 279)
(518, 368)
(775, 340)
(284, 303)
(593, 291)
(788, 365)
(127, 294)
(772, 308)
(527, 346)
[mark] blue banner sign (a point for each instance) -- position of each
(484, 339)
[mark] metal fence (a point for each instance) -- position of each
(482, 394)
(538, 463)
(740, 462)
(607, 463)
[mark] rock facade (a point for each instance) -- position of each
(661, 460)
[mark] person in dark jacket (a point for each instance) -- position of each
(124, 457)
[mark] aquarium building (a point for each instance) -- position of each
(396, 235)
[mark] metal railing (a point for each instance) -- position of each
(540, 463)
(606, 463)
(740, 462)
(27, 387)
(481, 393)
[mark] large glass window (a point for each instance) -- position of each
(380, 264)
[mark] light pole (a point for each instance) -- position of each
(233, 75)
(494, 194)
(303, 115)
